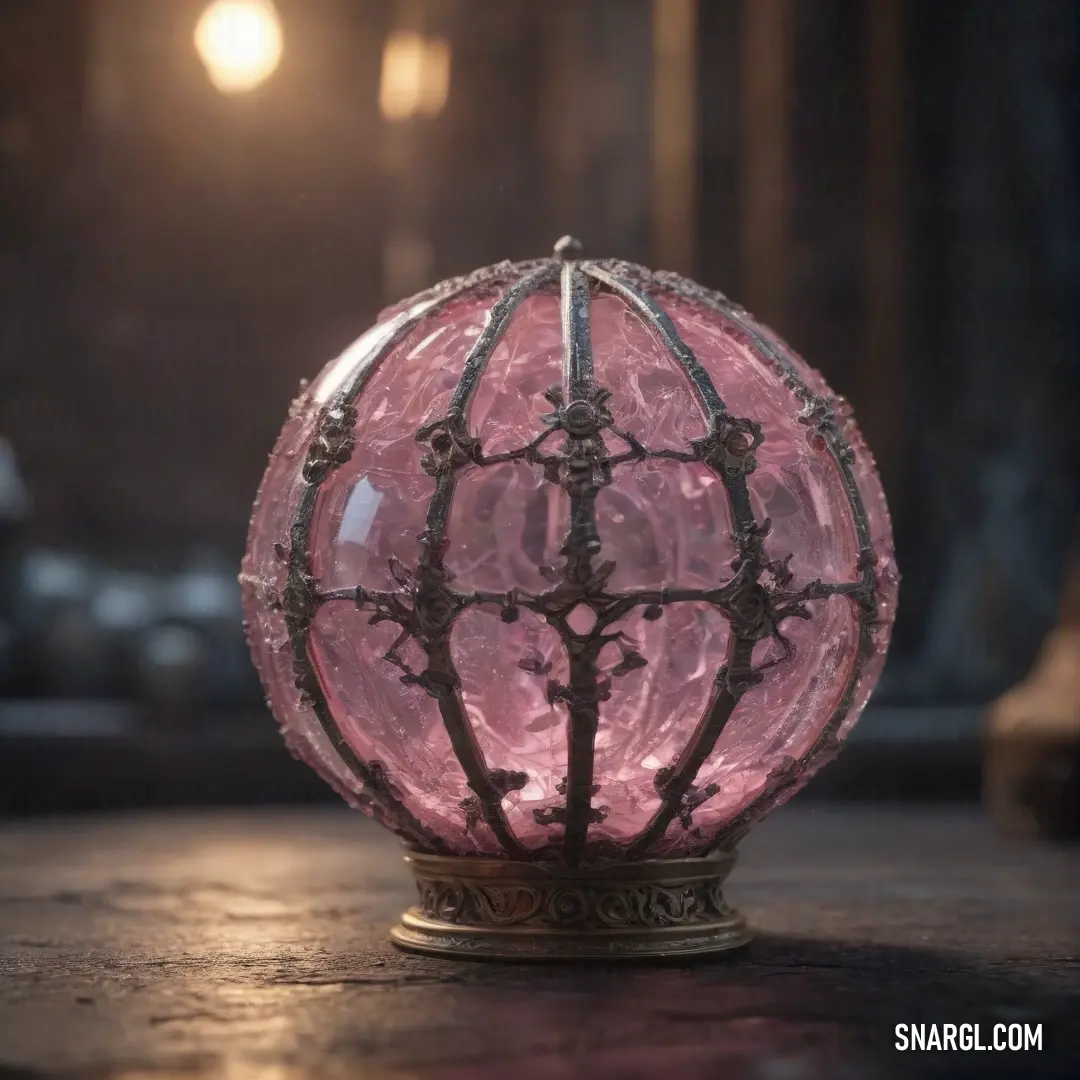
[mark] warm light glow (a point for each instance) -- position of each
(407, 264)
(415, 76)
(239, 42)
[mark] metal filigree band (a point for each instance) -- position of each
(527, 910)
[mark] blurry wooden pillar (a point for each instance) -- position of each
(675, 135)
(596, 123)
(879, 386)
(492, 183)
(408, 253)
(719, 198)
(765, 137)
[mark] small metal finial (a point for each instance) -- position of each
(567, 247)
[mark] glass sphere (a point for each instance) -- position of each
(569, 561)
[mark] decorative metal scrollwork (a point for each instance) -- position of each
(614, 905)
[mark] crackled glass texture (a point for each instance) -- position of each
(663, 522)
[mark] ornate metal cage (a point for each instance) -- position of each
(580, 448)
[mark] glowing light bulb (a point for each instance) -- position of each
(240, 43)
(415, 77)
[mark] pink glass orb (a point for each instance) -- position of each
(569, 560)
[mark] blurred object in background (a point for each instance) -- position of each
(995, 362)
(170, 642)
(1031, 780)
(197, 651)
(14, 515)
(414, 78)
(171, 660)
(62, 646)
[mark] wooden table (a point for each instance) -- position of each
(253, 944)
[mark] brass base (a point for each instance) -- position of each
(498, 909)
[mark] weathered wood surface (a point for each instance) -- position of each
(237, 944)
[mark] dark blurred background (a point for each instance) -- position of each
(191, 223)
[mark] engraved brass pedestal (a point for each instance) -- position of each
(501, 909)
